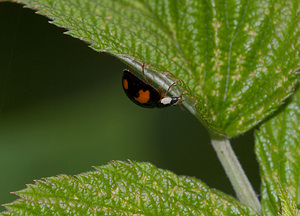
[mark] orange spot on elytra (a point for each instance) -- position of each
(143, 97)
(125, 84)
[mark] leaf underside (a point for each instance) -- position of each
(278, 152)
(236, 58)
(121, 188)
(288, 206)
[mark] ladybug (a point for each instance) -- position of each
(145, 95)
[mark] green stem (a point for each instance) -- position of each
(236, 174)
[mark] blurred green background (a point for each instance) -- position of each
(63, 110)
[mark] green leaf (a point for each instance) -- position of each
(121, 188)
(236, 58)
(288, 207)
(278, 152)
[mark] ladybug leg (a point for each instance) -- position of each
(180, 99)
(180, 96)
(173, 84)
(161, 91)
(143, 72)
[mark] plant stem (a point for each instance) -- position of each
(235, 173)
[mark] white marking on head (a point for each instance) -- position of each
(166, 100)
